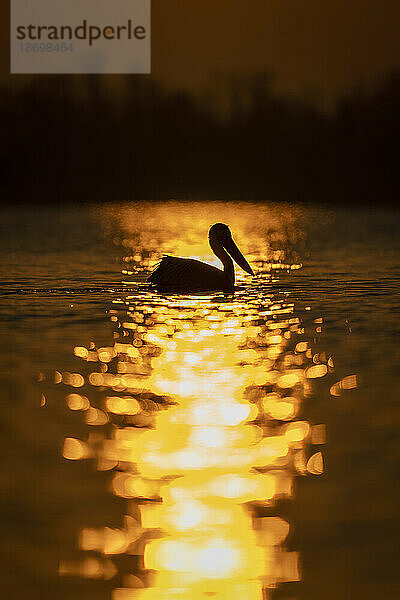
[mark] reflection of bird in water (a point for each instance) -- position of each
(184, 275)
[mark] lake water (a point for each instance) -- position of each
(215, 446)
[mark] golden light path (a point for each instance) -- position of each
(199, 408)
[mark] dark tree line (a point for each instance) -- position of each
(60, 145)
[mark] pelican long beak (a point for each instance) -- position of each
(237, 256)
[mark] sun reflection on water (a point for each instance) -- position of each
(198, 405)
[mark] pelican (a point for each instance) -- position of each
(187, 275)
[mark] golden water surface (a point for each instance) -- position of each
(197, 408)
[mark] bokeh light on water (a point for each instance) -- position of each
(61, 272)
(198, 410)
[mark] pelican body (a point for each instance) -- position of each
(187, 275)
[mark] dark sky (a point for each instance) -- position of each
(316, 49)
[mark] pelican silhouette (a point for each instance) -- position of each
(186, 275)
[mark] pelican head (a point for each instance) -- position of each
(221, 242)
